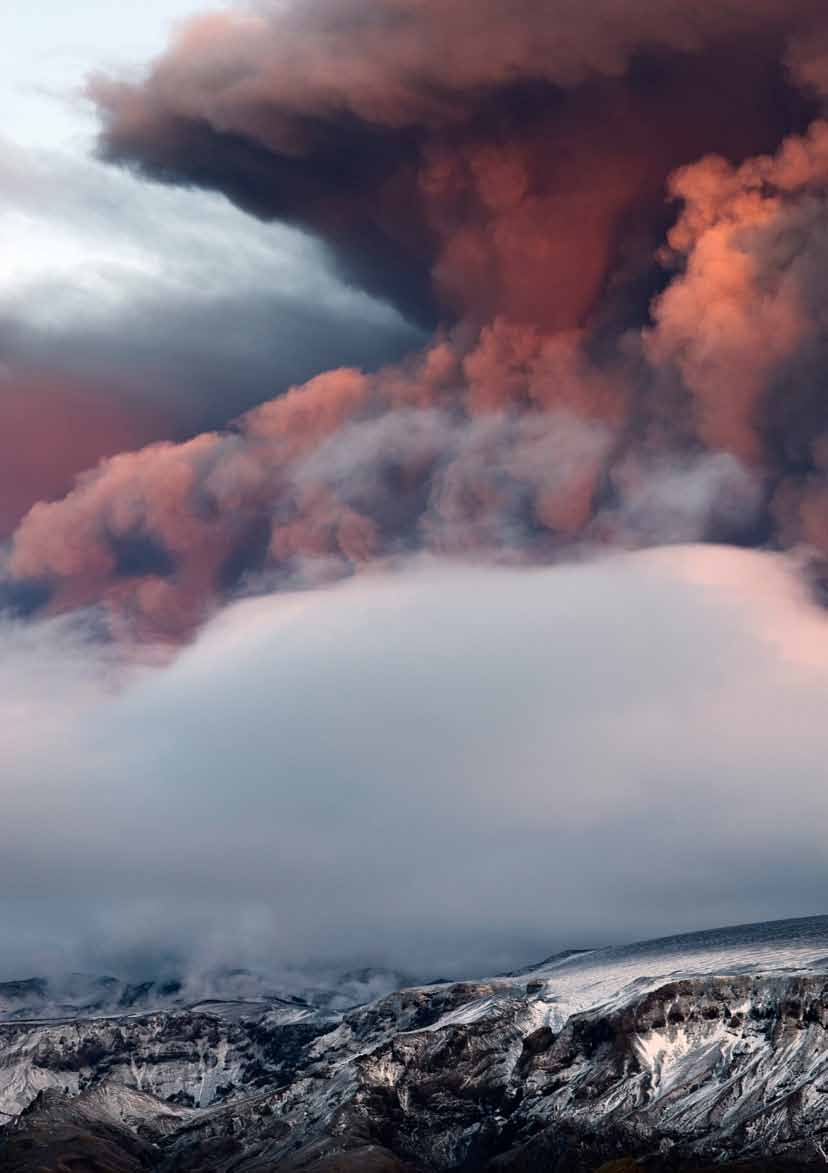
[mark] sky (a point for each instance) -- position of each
(414, 479)
(49, 49)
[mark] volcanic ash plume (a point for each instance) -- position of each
(614, 223)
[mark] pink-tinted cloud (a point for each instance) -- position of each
(51, 432)
(506, 169)
(461, 159)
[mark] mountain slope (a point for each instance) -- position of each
(681, 1052)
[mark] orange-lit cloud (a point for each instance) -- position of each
(618, 229)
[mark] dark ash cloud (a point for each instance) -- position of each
(607, 369)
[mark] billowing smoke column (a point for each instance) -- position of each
(615, 219)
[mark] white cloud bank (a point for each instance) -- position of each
(445, 768)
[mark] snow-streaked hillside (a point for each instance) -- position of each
(708, 1047)
(609, 977)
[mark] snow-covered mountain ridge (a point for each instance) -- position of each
(704, 1048)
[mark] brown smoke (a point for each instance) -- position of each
(504, 168)
(457, 156)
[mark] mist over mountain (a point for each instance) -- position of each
(440, 771)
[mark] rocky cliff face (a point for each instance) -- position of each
(682, 1054)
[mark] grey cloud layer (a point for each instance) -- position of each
(170, 299)
(446, 769)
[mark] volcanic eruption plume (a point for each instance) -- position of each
(614, 219)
